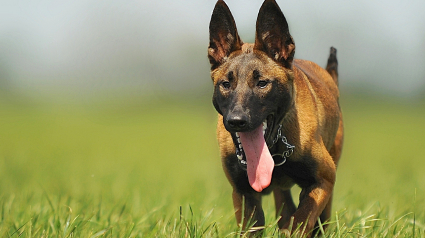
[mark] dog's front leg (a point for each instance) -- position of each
(313, 200)
(285, 206)
(248, 209)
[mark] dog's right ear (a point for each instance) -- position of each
(224, 38)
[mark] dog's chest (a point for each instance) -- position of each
(281, 180)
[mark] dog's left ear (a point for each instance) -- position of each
(224, 38)
(272, 34)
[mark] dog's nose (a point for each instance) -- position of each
(237, 122)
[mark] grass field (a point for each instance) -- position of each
(137, 168)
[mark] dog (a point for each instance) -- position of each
(279, 121)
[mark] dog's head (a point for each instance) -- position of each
(252, 82)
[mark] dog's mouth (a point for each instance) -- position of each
(252, 151)
(267, 126)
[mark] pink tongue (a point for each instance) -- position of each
(260, 163)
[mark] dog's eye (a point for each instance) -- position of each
(225, 84)
(262, 83)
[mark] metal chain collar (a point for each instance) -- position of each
(289, 148)
(288, 152)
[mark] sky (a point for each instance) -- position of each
(95, 45)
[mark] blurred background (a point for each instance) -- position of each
(114, 98)
(85, 47)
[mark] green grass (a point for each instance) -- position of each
(136, 168)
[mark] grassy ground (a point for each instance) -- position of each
(133, 168)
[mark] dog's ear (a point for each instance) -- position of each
(272, 34)
(224, 38)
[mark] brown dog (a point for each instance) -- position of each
(279, 123)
